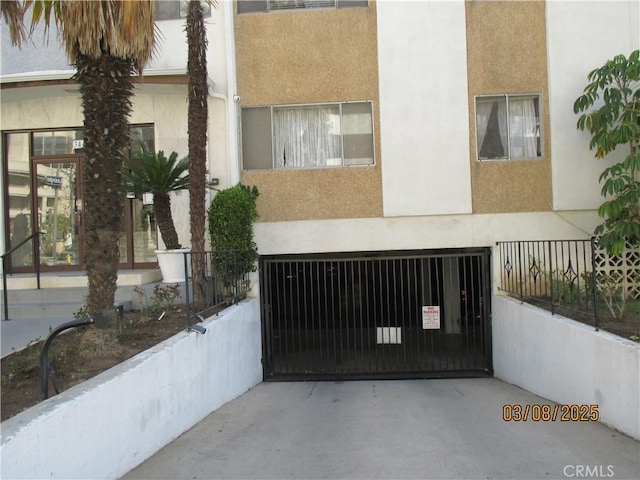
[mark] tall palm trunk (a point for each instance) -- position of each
(197, 128)
(106, 87)
(162, 211)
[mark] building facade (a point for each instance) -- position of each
(366, 125)
(41, 121)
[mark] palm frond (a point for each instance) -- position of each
(13, 14)
(156, 173)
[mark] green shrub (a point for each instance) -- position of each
(231, 217)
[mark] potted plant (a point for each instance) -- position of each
(149, 172)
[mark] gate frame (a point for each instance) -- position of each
(485, 262)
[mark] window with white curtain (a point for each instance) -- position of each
(307, 136)
(508, 127)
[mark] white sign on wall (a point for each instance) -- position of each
(431, 317)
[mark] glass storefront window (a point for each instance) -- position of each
(19, 196)
(43, 188)
(60, 142)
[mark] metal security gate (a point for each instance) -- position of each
(376, 315)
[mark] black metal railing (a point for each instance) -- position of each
(48, 365)
(220, 277)
(35, 237)
(555, 274)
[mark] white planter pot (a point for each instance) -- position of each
(171, 263)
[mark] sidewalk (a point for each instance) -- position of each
(413, 429)
(18, 333)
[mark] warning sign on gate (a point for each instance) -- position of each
(431, 317)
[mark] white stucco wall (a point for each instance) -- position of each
(45, 54)
(424, 121)
(438, 231)
(108, 425)
(582, 36)
(567, 362)
(172, 46)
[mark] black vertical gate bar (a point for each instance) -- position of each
(301, 316)
(359, 316)
(476, 299)
(401, 263)
(327, 313)
(575, 293)
(264, 305)
(586, 262)
(436, 301)
(297, 278)
(393, 313)
(343, 313)
(391, 350)
(486, 309)
(318, 305)
(370, 322)
(520, 274)
(334, 307)
(378, 311)
(279, 315)
(289, 325)
(322, 309)
(416, 320)
(551, 280)
(540, 265)
(355, 299)
(464, 318)
(594, 269)
(527, 266)
(428, 292)
(405, 312)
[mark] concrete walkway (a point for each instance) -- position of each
(17, 334)
(417, 429)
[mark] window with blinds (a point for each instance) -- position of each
(252, 6)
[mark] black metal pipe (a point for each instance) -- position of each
(44, 355)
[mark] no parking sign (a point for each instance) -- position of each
(431, 317)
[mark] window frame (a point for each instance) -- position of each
(264, 6)
(340, 105)
(177, 10)
(539, 126)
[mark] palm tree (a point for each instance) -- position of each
(149, 172)
(197, 130)
(108, 42)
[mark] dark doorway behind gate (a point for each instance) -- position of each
(376, 315)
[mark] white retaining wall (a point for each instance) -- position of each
(567, 362)
(108, 425)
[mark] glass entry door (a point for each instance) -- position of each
(59, 208)
(139, 238)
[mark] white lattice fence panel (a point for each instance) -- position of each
(626, 266)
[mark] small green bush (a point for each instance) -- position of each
(231, 217)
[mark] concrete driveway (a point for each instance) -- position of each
(441, 429)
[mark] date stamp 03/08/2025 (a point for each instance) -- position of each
(550, 413)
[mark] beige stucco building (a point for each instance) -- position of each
(366, 125)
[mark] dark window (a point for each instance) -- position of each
(175, 9)
(250, 6)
